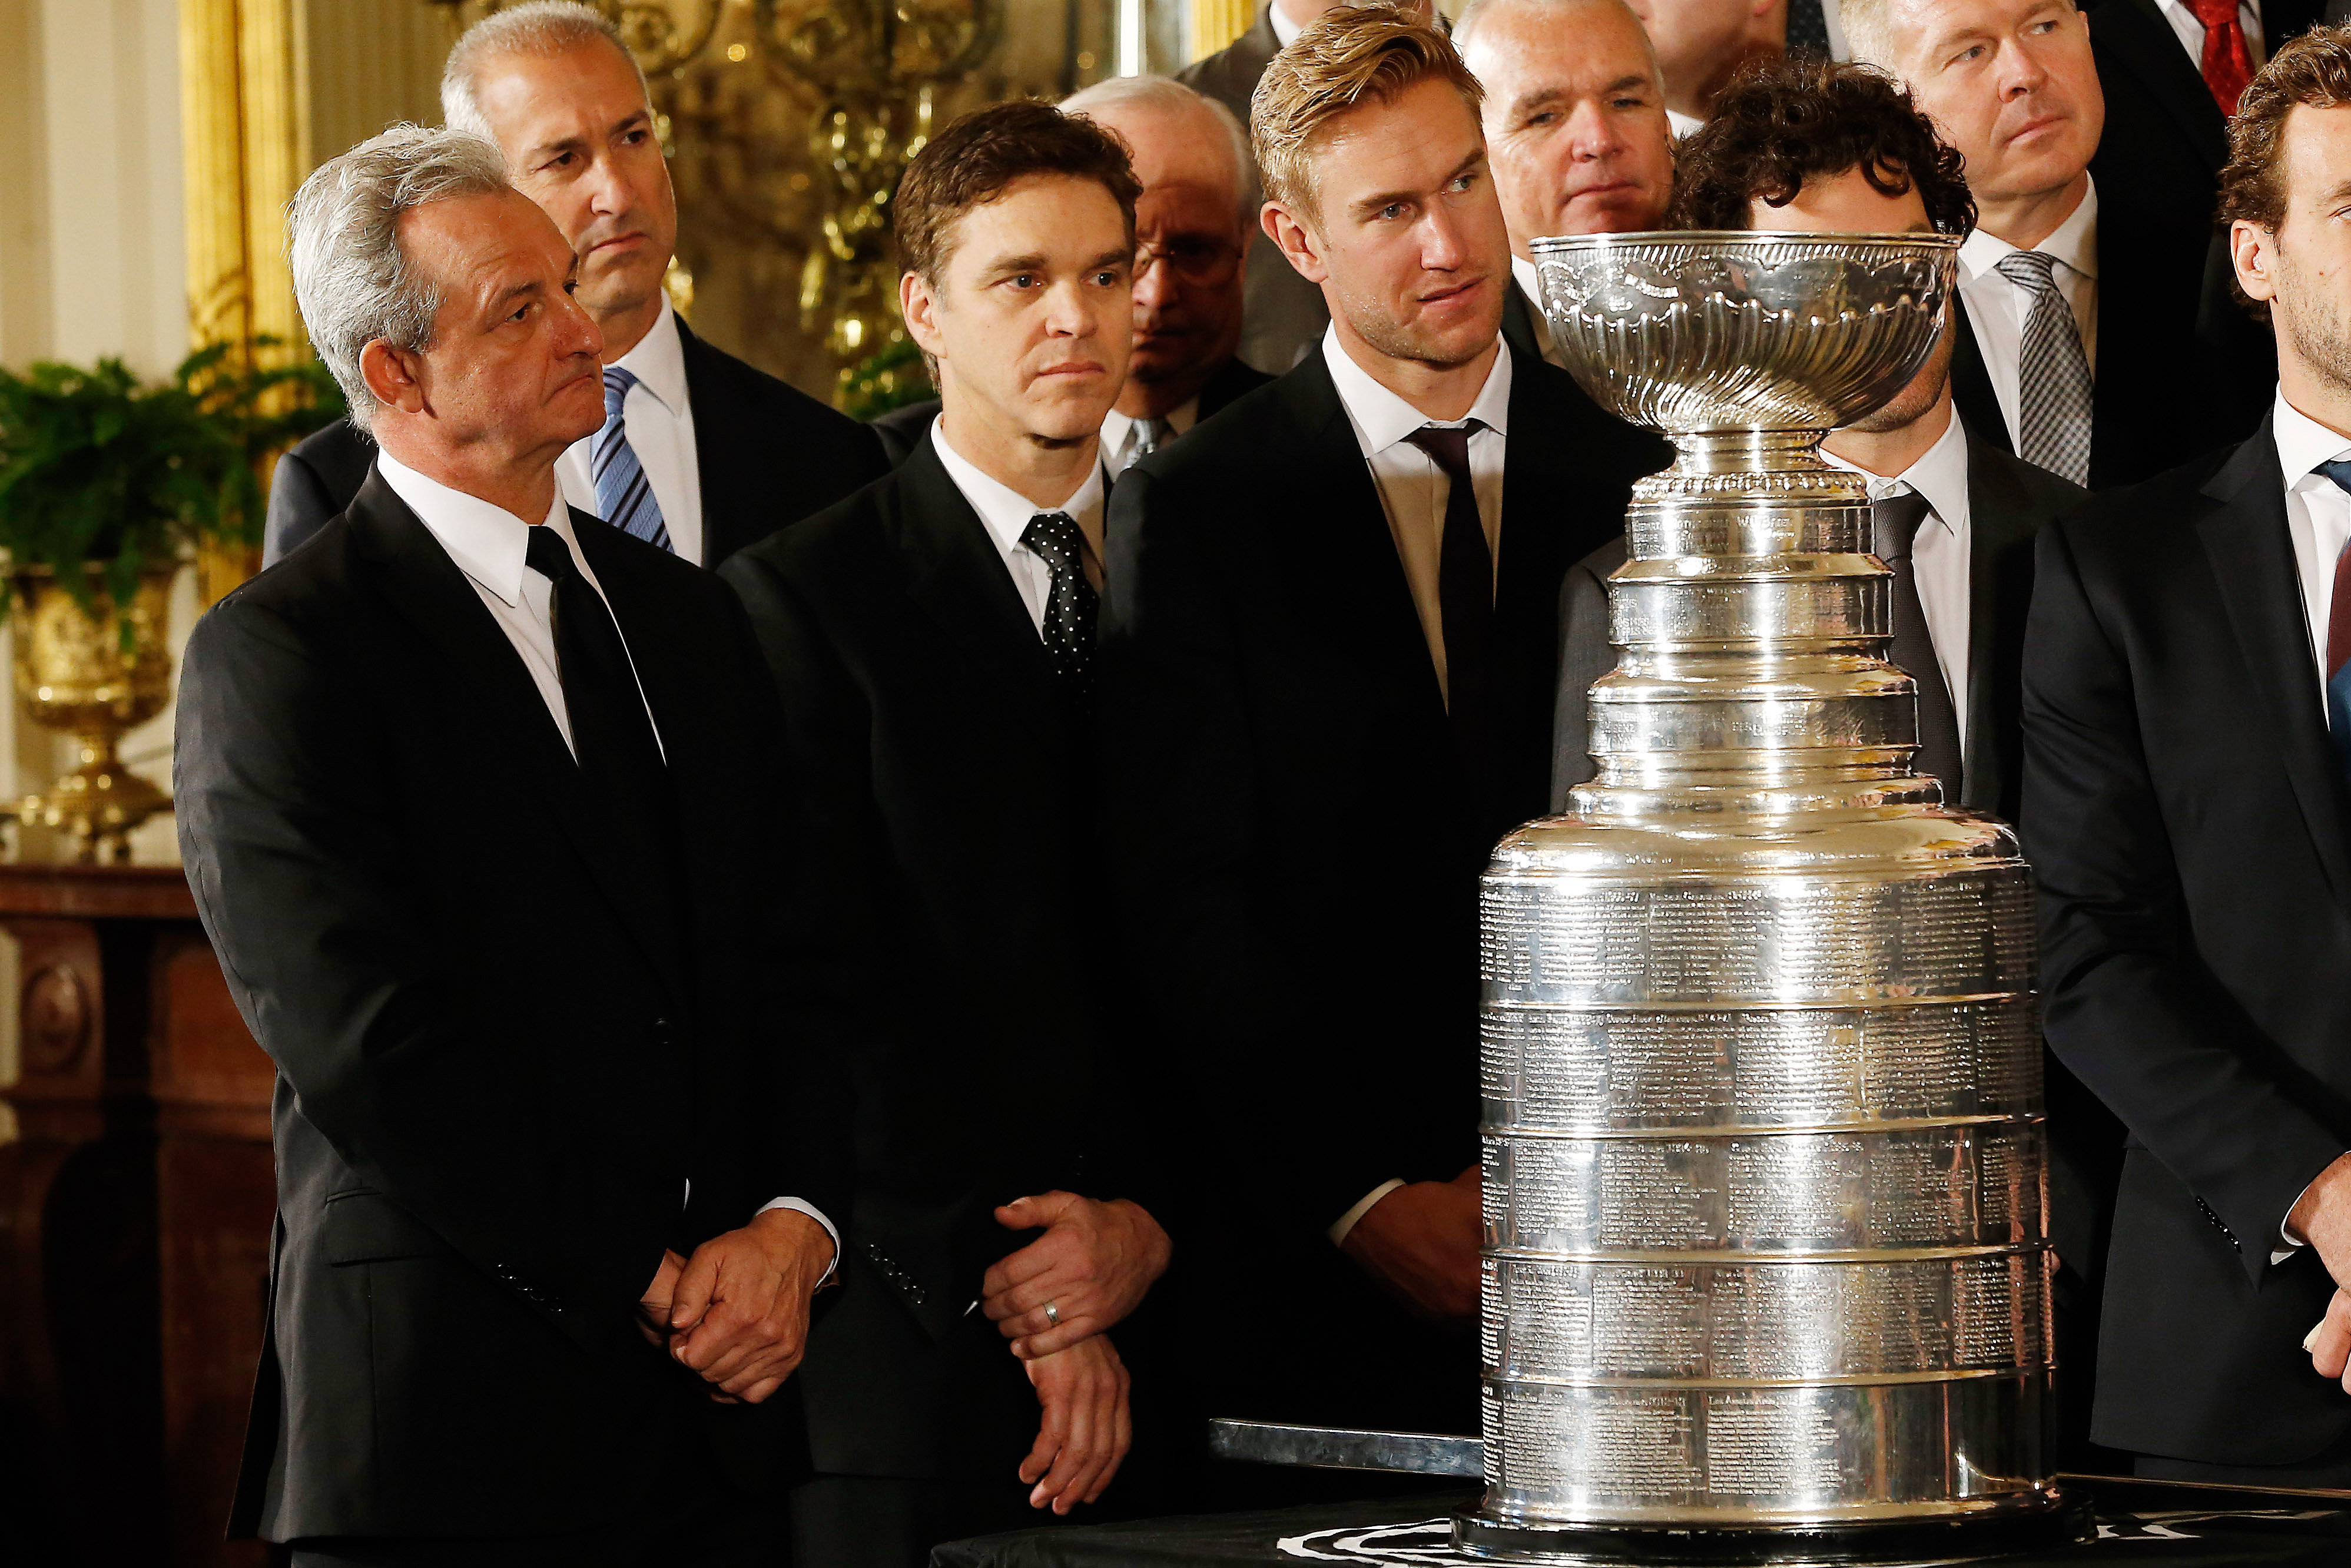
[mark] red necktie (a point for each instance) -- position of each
(2228, 64)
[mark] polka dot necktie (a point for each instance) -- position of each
(2338, 633)
(1069, 612)
(2053, 390)
(624, 495)
(2227, 62)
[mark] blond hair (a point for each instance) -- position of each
(1347, 56)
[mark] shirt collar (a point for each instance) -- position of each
(488, 543)
(2074, 244)
(1005, 511)
(658, 361)
(1285, 31)
(1383, 419)
(1941, 475)
(2302, 444)
(1180, 420)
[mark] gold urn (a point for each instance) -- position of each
(79, 673)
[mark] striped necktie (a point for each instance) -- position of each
(2338, 633)
(2053, 382)
(624, 494)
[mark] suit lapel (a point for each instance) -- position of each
(2001, 522)
(436, 598)
(717, 440)
(1518, 325)
(954, 572)
(2251, 550)
(1972, 391)
(2136, 32)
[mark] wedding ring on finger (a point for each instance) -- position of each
(1052, 1314)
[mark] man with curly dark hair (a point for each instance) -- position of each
(1814, 147)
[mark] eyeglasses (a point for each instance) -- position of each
(1204, 262)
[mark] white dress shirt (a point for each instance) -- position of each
(1529, 282)
(1939, 557)
(659, 419)
(1006, 513)
(1285, 31)
(1119, 433)
(1412, 488)
(490, 545)
(1997, 307)
(1413, 492)
(1680, 124)
(2191, 31)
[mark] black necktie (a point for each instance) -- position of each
(1465, 593)
(1069, 612)
(1894, 523)
(1808, 28)
(611, 734)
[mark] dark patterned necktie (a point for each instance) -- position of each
(1894, 527)
(1465, 590)
(2338, 633)
(1808, 28)
(1072, 606)
(2053, 382)
(2228, 63)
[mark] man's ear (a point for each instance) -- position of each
(920, 308)
(1301, 245)
(396, 376)
(2252, 250)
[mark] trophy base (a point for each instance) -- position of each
(2064, 1520)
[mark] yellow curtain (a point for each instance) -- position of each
(1216, 23)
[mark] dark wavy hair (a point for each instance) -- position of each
(1783, 121)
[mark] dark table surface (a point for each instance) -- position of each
(2138, 1522)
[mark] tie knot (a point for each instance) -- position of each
(617, 382)
(1893, 524)
(548, 555)
(1447, 446)
(2339, 471)
(1054, 537)
(2031, 270)
(2213, 14)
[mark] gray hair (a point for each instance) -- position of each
(1167, 94)
(1869, 33)
(1473, 18)
(353, 278)
(539, 29)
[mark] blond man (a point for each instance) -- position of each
(1306, 629)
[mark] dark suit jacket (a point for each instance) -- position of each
(2008, 501)
(2165, 138)
(2181, 367)
(1282, 314)
(1644, 452)
(939, 762)
(500, 1057)
(1295, 858)
(2187, 820)
(767, 455)
(902, 429)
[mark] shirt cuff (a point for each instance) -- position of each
(801, 1205)
(2288, 1243)
(1346, 1221)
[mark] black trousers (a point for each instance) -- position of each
(695, 1519)
(887, 1521)
(2329, 1470)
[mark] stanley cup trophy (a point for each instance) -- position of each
(1765, 1272)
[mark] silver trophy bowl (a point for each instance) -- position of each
(1766, 1274)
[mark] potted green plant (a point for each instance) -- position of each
(108, 486)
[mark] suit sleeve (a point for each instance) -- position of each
(300, 506)
(2127, 1005)
(284, 800)
(1585, 655)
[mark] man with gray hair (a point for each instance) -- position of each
(455, 784)
(1193, 224)
(698, 452)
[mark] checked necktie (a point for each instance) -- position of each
(2338, 633)
(624, 495)
(1465, 591)
(2053, 373)
(1072, 609)
(1894, 527)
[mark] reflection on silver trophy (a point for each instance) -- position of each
(1766, 1274)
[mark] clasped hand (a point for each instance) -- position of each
(1094, 1263)
(737, 1312)
(1420, 1241)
